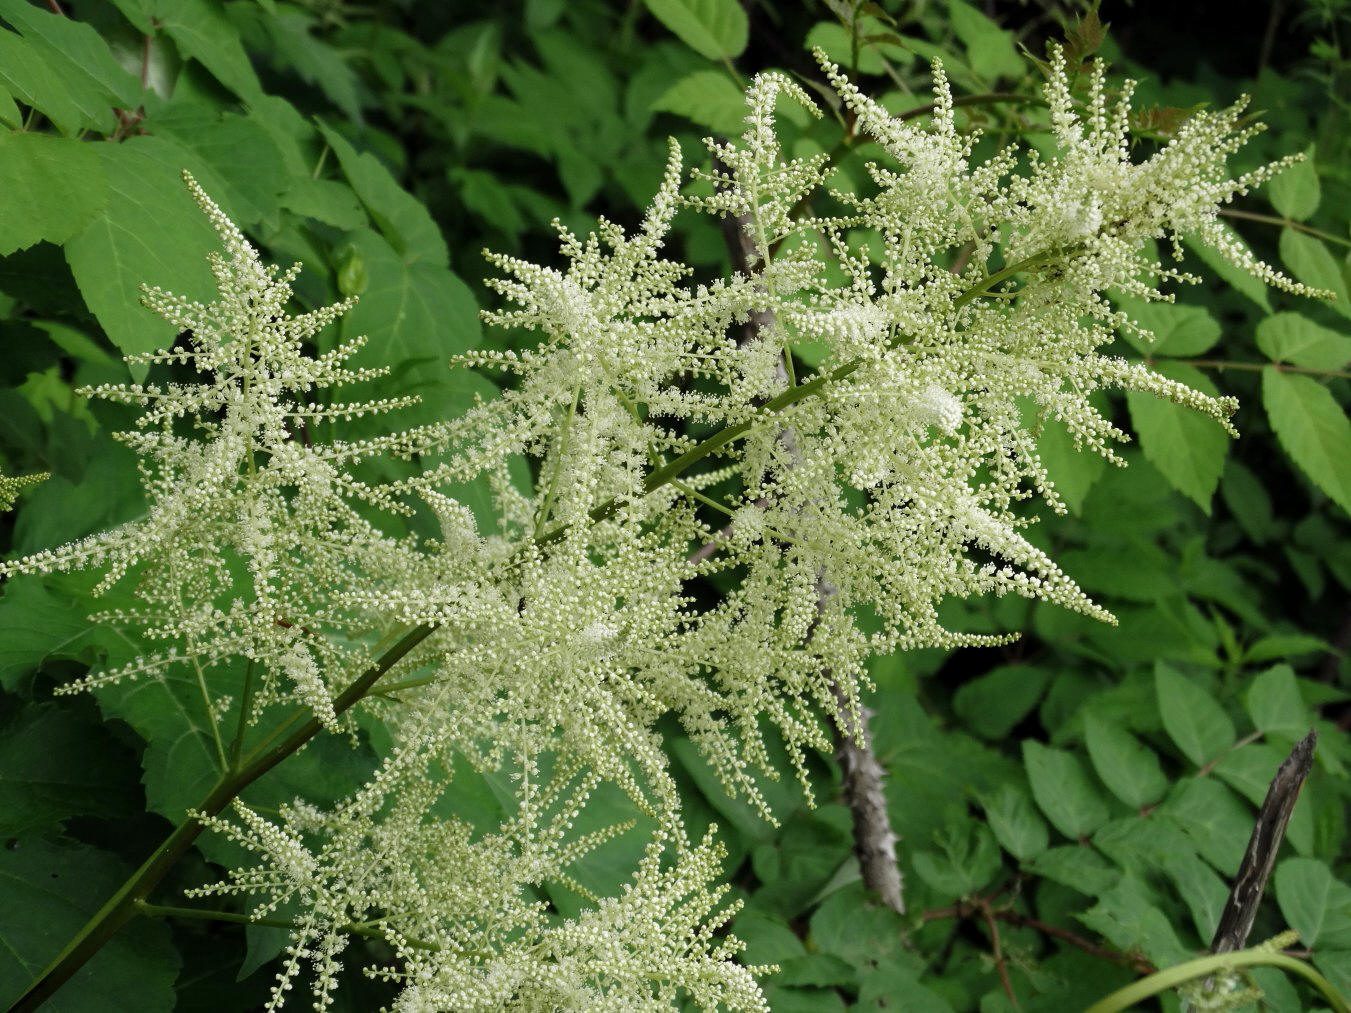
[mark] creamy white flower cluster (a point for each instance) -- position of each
(679, 453)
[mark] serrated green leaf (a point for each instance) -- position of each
(116, 253)
(1178, 329)
(854, 926)
(990, 49)
(1216, 820)
(34, 76)
(1310, 262)
(1295, 193)
(201, 31)
(963, 864)
(1077, 866)
(1200, 888)
(1129, 769)
(50, 890)
(1274, 704)
(1064, 790)
(416, 316)
(41, 619)
(1248, 500)
(1292, 338)
(717, 29)
(708, 98)
(993, 703)
(1284, 645)
(1193, 718)
(1312, 428)
(1016, 824)
(53, 187)
(1072, 470)
(1232, 275)
(1188, 448)
(1128, 917)
(1314, 902)
(76, 50)
(397, 213)
(54, 764)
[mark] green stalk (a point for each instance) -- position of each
(1172, 977)
(121, 906)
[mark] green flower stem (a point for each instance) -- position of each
(368, 929)
(1288, 223)
(123, 905)
(1172, 977)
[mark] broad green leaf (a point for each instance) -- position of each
(50, 890)
(1249, 771)
(717, 29)
(52, 187)
(708, 98)
(835, 41)
(416, 316)
(1232, 275)
(816, 969)
(990, 49)
(855, 927)
(49, 618)
(76, 50)
(1274, 703)
(55, 763)
(1248, 500)
(1313, 430)
(883, 987)
(1218, 822)
(1178, 329)
(1314, 902)
(202, 32)
(1129, 769)
(1127, 916)
(768, 939)
(397, 213)
(1064, 790)
(1193, 718)
(1077, 866)
(1187, 447)
(1284, 646)
(35, 76)
(1015, 822)
(1310, 262)
(993, 703)
(150, 232)
(795, 867)
(1072, 470)
(1200, 888)
(246, 159)
(963, 863)
(1290, 337)
(1295, 193)
(324, 200)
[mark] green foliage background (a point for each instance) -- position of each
(1084, 793)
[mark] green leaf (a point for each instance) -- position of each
(1178, 329)
(1127, 917)
(117, 252)
(1218, 822)
(1295, 192)
(1064, 790)
(1235, 277)
(53, 187)
(397, 213)
(41, 619)
(55, 764)
(76, 50)
(1284, 645)
(1293, 338)
(1077, 866)
(1313, 430)
(1188, 448)
(990, 49)
(1314, 902)
(996, 701)
(325, 200)
(1274, 703)
(50, 890)
(1200, 888)
(202, 32)
(1072, 470)
(416, 316)
(1248, 500)
(1192, 717)
(717, 29)
(967, 861)
(36, 76)
(1016, 824)
(1129, 769)
(1310, 262)
(853, 926)
(708, 98)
